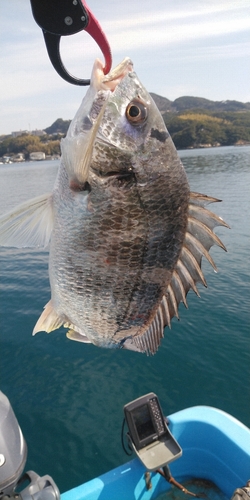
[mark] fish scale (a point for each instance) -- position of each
(100, 273)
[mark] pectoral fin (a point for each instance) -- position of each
(29, 224)
(77, 151)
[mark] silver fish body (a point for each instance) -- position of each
(127, 236)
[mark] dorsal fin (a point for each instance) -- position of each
(198, 240)
(149, 341)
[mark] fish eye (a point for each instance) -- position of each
(136, 112)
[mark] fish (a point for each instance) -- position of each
(126, 235)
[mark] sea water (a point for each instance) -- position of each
(68, 397)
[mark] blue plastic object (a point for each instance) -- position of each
(215, 447)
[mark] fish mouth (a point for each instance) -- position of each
(124, 177)
(100, 81)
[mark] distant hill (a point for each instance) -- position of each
(195, 122)
(162, 103)
(187, 102)
(192, 122)
(60, 126)
(182, 104)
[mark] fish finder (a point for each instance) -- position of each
(149, 434)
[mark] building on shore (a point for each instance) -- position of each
(37, 132)
(37, 156)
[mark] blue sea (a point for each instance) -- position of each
(68, 397)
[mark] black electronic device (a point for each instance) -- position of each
(149, 433)
(145, 420)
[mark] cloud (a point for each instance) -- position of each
(171, 13)
(171, 39)
(211, 52)
(162, 29)
(160, 36)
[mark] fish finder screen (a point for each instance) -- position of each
(143, 422)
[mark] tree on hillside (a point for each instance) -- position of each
(190, 129)
(59, 126)
(51, 148)
(22, 144)
(27, 144)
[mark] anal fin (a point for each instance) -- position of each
(50, 320)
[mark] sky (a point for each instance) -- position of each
(178, 48)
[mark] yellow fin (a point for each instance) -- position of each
(49, 320)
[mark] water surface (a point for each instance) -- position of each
(68, 397)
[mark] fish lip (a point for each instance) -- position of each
(104, 85)
(100, 81)
(100, 84)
